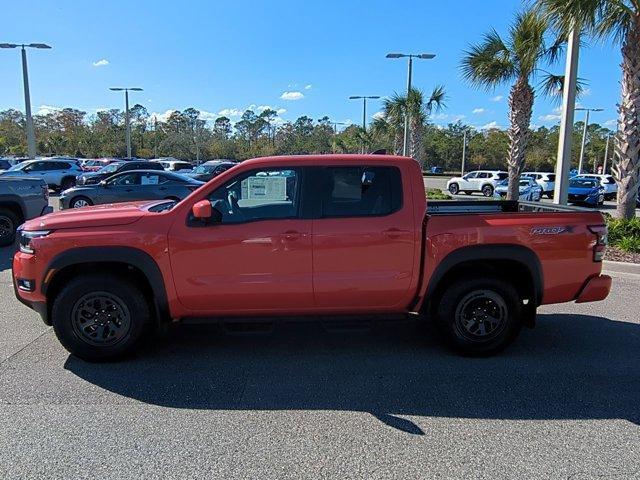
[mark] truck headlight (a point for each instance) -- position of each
(27, 236)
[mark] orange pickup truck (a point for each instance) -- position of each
(318, 235)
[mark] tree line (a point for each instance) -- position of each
(186, 135)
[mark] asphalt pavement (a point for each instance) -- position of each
(311, 401)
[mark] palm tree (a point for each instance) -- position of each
(495, 61)
(397, 106)
(620, 20)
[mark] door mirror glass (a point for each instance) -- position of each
(204, 212)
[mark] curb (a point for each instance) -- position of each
(621, 267)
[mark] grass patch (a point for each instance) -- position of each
(435, 194)
(624, 234)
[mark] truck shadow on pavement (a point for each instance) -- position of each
(569, 367)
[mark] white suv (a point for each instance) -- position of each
(59, 174)
(545, 179)
(607, 181)
(483, 181)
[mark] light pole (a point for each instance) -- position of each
(561, 191)
(127, 127)
(584, 133)
(364, 106)
(410, 56)
(31, 137)
(606, 155)
(364, 113)
(464, 152)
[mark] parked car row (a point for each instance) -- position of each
(492, 183)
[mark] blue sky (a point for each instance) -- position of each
(222, 57)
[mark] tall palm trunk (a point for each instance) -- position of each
(398, 140)
(627, 142)
(520, 109)
(415, 151)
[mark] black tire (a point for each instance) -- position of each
(103, 338)
(487, 191)
(67, 183)
(78, 201)
(454, 189)
(9, 222)
(475, 300)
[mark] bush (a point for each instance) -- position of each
(624, 234)
(435, 194)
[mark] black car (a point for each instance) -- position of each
(93, 178)
(210, 169)
(130, 186)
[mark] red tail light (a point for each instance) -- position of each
(600, 245)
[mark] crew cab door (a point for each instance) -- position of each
(257, 258)
(363, 238)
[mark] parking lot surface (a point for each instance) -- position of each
(307, 401)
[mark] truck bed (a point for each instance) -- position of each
(457, 207)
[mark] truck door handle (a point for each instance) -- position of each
(291, 235)
(394, 233)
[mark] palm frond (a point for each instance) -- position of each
(437, 100)
(488, 63)
(552, 86)
(527, 41)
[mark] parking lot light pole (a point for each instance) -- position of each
(31, 137)
(584, 133)
(127, 126)
(410, 56)
(364, 112)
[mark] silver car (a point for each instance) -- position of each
(131, 186)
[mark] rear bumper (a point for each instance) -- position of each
(595, 289)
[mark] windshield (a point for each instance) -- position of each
(204, 169)
(109, 168)
(18, 166)
(583, 183)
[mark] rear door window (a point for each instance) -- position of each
(360, 191)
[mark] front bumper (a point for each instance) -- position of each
(595, 289)
(24, 267)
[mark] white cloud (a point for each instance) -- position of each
(230, 112)
(101, 63)
(262, 108)
(378, 115)
(552, 117)
(477, 111)
(611, 123)
(161, 117)
(308, 87)
(490, 126)
(292, 96)
(448, 117)
(497, 98)
(47, 109)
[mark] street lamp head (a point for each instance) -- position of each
(8, 45)
(136, 89)
(116, 89)
(374, 97)
(427, 56)
(395, 55)
(38, 45)
(355, 97)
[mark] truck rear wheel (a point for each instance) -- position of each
(479, 316)
(100, 317)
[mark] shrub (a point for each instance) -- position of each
(435, 194)
(624, 234)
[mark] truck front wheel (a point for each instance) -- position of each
(100, 317)
(479, 316)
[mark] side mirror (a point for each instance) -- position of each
(202, 210)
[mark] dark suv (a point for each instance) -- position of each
(91, 178)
